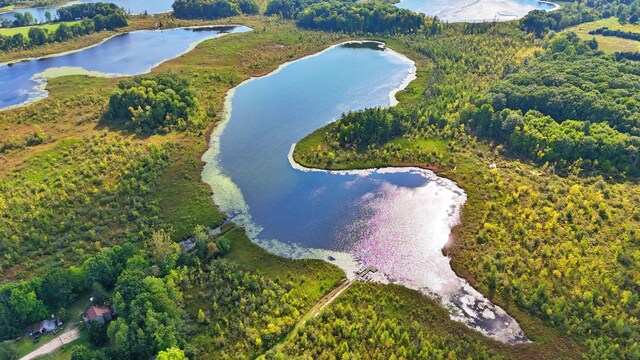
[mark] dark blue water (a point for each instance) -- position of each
(475, 10)
(128, 54)
(260, 147)
(130, 6)
(397, 220)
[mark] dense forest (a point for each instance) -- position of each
(592, 110)
(213, 9)
(541, 22)
(150, 105)
(347, 16)
(359, 18)
(95, 17)
(289, 9)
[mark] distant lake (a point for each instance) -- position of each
(131, 6)
(127, 54)
(396, 219)
(475, 10)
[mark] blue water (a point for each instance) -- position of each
(260, 147)
(131, 6)
(127, 54)
(397, 220)
(475, 10)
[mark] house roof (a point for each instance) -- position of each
(97, 311)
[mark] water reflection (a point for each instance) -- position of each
(395, 219)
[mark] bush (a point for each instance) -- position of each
(159, 104)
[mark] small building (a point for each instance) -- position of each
(187, 245)
(43, 327)
(98, 313)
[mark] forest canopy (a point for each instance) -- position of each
(579, 106)
(213, 9)
(158, 104)
(359, 18)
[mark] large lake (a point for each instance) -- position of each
(127, 54)
(131, 6)
(475, 10)
(395, 219)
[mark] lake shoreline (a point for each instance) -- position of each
(12, 62)
(14, 7)
(41, 79)
(231, 200)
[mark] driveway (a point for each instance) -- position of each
(62, 339)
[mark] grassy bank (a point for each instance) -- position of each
(608, 44)
(24, 30)
(5, 9)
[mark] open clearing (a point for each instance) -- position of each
(24, 30)
(608, 44)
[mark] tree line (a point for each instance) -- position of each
(95, 18)
(604, 31)
(106, 11)
(157, 104)
(541, 22)
(578, 106)
(213, 9)
(628, 55)
(343, 16)
(359, 18)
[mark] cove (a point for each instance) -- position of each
(396, 219)
(476, 10)
(134, 7)
(128, 54)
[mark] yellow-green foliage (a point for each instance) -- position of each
(564, 249)
(24, 30)
(373, 322)
(71, 199)
(250, 299)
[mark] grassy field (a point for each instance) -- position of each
(24, 30)
(608, 44)
(6, 8)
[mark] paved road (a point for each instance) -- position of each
(62, 339)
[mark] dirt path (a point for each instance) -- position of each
(313, 312)
(64, 338)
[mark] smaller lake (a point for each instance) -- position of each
(134, 7)
(127, 54)
(475, 10)
(395, 219)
